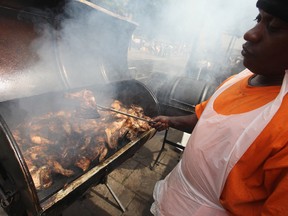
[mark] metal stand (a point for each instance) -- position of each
(165, 141)
(104, 181)
(115, 197)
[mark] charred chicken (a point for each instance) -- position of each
(62, 142)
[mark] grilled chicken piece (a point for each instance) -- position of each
(39, 156)
(88, 125)
(137, 109)
(67, 127)
(132, 135)
(130, 128)
(83, 163)
(31, 166)
(42, 177)
(117, 105)
(40, 140)
(36, 152)
(136, 124)
(113, 133)
(87, 102)
(112, 137)
(85, 96)
(63, 114)
(86, 143)
(21, 140)
(102, 152)
(56, 141)
(58, 168)
(97, 149)
(17, 135)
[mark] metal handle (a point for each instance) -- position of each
(6, 200)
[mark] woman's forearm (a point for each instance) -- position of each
(183, 123)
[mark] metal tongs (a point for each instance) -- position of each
(93, 114)
(123, 113)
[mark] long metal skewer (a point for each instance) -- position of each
(123, 113)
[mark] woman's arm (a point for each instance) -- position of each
(183, 123)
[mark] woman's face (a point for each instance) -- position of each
(266, 50)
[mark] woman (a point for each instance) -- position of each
(236, 160)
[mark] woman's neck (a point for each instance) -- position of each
(260, 80)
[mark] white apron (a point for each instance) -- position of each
(216, 144)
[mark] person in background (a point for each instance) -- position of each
(236, 160)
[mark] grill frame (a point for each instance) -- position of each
(25, 196)
(23, 83)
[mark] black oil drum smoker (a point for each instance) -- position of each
(177, 96)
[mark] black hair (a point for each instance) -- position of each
(277, 8)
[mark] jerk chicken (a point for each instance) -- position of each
(68, 140)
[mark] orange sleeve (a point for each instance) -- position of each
(263, 194)
(276, 204)
(276, 183)
(200, 108)
(258, 182)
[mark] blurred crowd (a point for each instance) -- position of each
(160, 48)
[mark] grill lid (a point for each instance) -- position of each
(178, 95)
(47, 48)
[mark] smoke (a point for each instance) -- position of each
(87, 47)
(211, 30)
(182, 19)
(209, 33)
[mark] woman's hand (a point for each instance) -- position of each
(182, 123)
(160, 123)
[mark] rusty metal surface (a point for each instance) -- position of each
(40, 51)
(22, 73)
(15, 39)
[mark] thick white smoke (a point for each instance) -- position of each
(213, 31)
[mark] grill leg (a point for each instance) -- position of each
(104, 181)
(115, 197)
(161, 150)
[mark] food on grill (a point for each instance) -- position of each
(114, 131)
(87, 102)
(42, 177)
(62, 143)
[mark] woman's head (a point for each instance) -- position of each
(266, 49)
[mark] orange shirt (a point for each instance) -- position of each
(258, 183)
